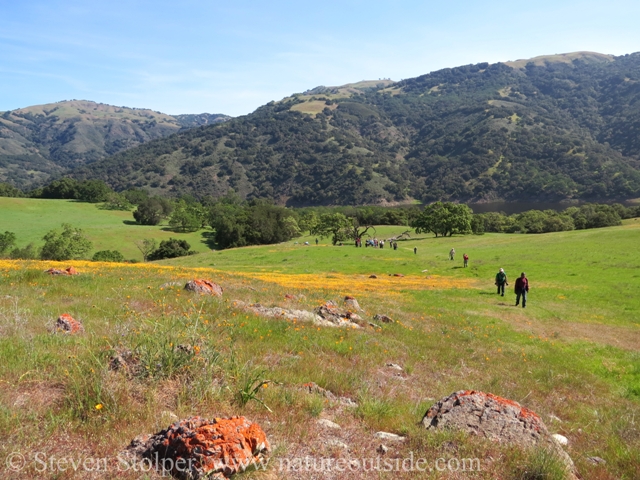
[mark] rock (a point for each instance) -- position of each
(334, 315)
(198, 448)
(334, 442)
(389, 437)
(204, 287)
(374, 325)
(67, 324)
(124, 360)
(596, 460)
(496, 418)
(352, 303)
(382, 449)
(328, 424)
(373, 276)
(312, 387)
(288, 296)
(395, 366)
(561, 439)
(67, 271)
(382, 318)
(553, 418)
(398, 275)
(423, 271)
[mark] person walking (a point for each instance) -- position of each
(521, 289)
(452, 253)
(501, 281)
(316, 241)
(415, 250)
(465, 257)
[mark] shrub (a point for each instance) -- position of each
(65, 245)
(30, 252)
(171, 248)
(108, 256)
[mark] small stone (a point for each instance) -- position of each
(596, 460)
(423, 271)
(373, 276)
(561, 439)
(352, 303)
(328, 423)
(395, 366)
(382, 318)
(334, 442)
(382, 449)
(398, 275)
(553, 418)
(389, 436)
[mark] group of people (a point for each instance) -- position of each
(465, 257)
(375, 243)
(521, 287)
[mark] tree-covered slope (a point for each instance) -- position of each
(48, 139)
(555, 127)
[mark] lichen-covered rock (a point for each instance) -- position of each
(67, 324)
(328, 315)
(57, 271)
(495, 418)
(198, 448)
(204, 287)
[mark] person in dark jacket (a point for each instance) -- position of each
(501, 281)
(521, 289)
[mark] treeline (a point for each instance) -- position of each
(544, 221)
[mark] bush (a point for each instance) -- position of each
(30, 252)
(171, 248)
(108, 256)
(70, 243)
(152, 211)
(7, 240)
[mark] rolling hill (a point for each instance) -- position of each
(550, 128)
(44, 140)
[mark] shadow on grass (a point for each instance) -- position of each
(486, 293)
(208, 240)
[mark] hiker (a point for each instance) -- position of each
(415, 250)
(395, 245)
(465, 257)
(521, 289)
(452, 253)
(501, 281)
(316, 241)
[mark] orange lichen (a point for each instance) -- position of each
(68, 324)
(523, 412)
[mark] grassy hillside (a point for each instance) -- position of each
(42, 140)
(572, 355)
(30, 219)
(545, 129)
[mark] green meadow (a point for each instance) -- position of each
(30, 219)
(572, 355)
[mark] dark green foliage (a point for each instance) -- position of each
(108, 256)
(65, 188)
(444, 219)
(93, 191)
(7, 240)
(238, 223)
(30, 252)
(8, 190)
(477, 132)
(171, 248)
(152, 211)
(66, 245)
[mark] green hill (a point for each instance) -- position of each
(42, 140)
(552, 128)
(30, 219)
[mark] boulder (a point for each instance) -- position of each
(493, 417)
(67, 324)
(204, 287)
(198, 448)
(334, 315)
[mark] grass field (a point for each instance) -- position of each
(572, 355)
(30, 219)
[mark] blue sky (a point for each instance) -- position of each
(193, 56)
